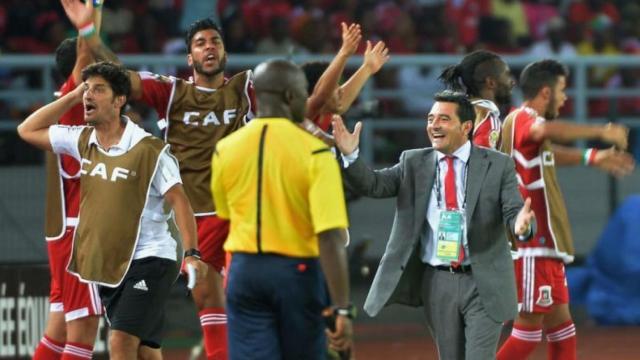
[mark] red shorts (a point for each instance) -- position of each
(541, 283)
(68, 293)
(212, 233)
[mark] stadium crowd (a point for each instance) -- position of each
(541, 28)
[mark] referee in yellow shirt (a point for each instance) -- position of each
(281, 189)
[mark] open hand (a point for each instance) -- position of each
(617, 135)
(351, 36)
(376, 56)
(346, 142)
(615, 162)
(77, 12)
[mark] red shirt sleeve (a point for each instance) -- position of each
(156, 91)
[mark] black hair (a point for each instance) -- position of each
(469, 75)
(465, 111)
(66, 54)
(539, 74)
(116, 75)
(313, 70)
(203, 24)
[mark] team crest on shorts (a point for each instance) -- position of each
(544, 296)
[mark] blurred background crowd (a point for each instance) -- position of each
(540, 28)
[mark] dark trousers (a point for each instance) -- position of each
(274, 308)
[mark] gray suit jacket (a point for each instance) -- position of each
(493, 201)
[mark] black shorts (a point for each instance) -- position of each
(136, 307)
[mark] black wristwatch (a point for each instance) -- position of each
(350, 311)
(193, 252)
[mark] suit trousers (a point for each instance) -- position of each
(454, 313)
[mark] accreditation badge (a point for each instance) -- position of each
(449, 235)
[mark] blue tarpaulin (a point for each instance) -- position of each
(609, 282)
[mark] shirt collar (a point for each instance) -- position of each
(489, 105)
(125, 140)
(462, 153)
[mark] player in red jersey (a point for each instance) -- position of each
(487, 80)
(75, 307)
(195, 114)
(528, 134)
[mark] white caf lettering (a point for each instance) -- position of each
(101, 170)
(211, 118)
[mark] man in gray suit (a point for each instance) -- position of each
(447, 251)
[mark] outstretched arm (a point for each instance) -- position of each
(374, 58)
(615, 162)
(563, 131)
(35, 128)
(328, 82)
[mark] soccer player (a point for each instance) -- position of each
(487, 80)
(75, 307)
(528, 134)
(195, 115)
(127, 180)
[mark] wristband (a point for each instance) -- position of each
(350, 311)
(589, 156)
(193, 252)
(87, 30)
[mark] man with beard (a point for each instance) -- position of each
(527, 136)
(487, 80)
(195, 115)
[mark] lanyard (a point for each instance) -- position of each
(438, 185)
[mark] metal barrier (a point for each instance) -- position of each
(579, 91)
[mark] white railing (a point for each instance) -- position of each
(578, 66)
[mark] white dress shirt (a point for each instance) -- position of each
(428, 241)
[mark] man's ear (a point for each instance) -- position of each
(189, 60)
(490, 82)
(545, 92)
(120, 100)
(467, 126)
(288, 96)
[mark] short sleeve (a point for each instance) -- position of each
(326, 195)
(168, 173)
(156, 91)
(64, 139)
(523, 129)
(217, 187)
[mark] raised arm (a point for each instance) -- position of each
(82, 17)
(84, 54)
(328, 82)
(35, 128)
(374, 58)
(563, 131)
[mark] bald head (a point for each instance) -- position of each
(281, 90)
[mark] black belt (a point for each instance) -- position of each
(453, 269)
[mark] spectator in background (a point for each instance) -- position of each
(513, 12)
(236, 36)
(279, 42)
(496, 35)
(554, 44)
(465, 16)
(538, 14)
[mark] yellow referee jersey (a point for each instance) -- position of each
(279, 186)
